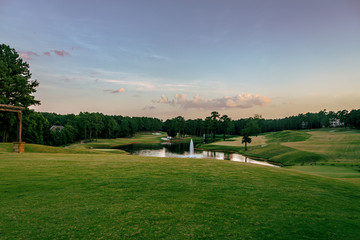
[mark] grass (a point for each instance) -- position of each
(106, 144)
(114, 196)
(36, 148)
(288, 136)
(338, 148)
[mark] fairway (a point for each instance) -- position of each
(115, 196)
(337, 146)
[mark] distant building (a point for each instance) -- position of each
(335, 122)
(56, 127)
(304, 125)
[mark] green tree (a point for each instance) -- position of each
(16, 85)
(225, 124)
(170, 127)
(214, 121)
(181, 125)
(251, 129)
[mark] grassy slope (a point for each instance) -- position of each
(334, 147)
(71, 196)
(36, 148)
(110, 143)
(338, 147)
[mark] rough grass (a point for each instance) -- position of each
(112, 196)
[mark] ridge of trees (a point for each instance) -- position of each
(90, 126)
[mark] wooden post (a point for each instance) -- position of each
(19, 146)
(19, 126)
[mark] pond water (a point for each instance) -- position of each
(182, 150)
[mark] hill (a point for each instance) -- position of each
(115, 196)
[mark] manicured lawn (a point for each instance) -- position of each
(110, 143)
(330, 171)
(336, 146)
(115, 196)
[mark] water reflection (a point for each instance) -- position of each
(181, 150)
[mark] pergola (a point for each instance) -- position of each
(19, 145)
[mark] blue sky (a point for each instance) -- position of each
(168, 58)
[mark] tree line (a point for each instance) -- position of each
(87, 126)
(56, 129)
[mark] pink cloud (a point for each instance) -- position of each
(61, 53)
(120, 90)
(47, 53)
(243, 100)
(27, 55)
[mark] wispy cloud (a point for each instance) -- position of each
(141, 84)
(120, 90)
(160, 57)
(149, 108)
(27, 55)
(243, 100)
(61, 53)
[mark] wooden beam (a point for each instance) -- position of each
(18, 110)
(11, 107)
(9, 110)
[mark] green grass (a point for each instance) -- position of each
(110, 143)
(114, 196)
(330, 146)
(330, 171)
(287, 136)
(36, 148)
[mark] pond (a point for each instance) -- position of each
(181, 150)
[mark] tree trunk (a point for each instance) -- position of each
(4, 137)
(245, 146)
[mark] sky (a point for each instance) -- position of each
(165, 58)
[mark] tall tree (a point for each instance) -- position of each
(251, 129)
(16, 85)
(225, 124)
(214, 120)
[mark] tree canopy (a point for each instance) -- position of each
(16, 85)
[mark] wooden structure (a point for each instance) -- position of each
(19, 146)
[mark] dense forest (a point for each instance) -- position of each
(56, 129)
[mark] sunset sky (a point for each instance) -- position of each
(186, 57)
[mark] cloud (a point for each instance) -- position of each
(149, 108)
(27, 55)
(159, 57)
(47, 54)
(243, 100)
(163, 99)
(120, 90)
(61, 53)
(142, 84)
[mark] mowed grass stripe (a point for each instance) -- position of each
(71, 196)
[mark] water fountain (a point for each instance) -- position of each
(191, 148)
